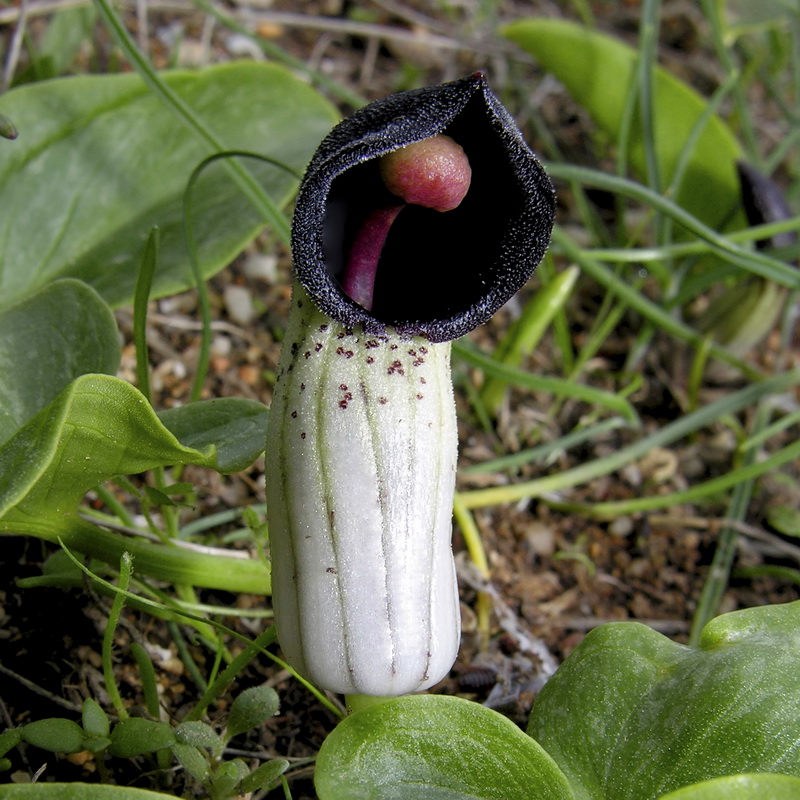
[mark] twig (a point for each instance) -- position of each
(15, 46)
(36, 689)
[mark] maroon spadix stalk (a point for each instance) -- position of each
(433, 173)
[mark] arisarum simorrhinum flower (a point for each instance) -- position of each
(418, 217)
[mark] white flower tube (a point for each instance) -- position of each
(418, 217)
(362, 457)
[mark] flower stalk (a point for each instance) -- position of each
(418, 217)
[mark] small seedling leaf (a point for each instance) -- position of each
(9, 738)
(252, 708)
(95, 721)
(228, 778)
(136, 736)
(192, 760)
(197, 734)
(96, 744)
(56, 735)
(264, 776)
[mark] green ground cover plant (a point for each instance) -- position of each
(124, 188)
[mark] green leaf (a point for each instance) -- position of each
(785, 520)
(633, 715)
(263, 776)
(9, 738)
(237, 427)
(597, 70)
(229, 775)
(741, 787)
(197, 734)
(136, 736)
(192, 760)
(437, 747)
(56, 735)
(100, 160)
(78, 791)
(97, 428)
(95, 721)
(46, 341)
(252, 708)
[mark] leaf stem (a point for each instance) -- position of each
(125, 570)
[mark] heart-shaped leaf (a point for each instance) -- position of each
(100, 160)
(97, 428)
(437, 747)
(46, 341)
(633, 715)
(235, 426)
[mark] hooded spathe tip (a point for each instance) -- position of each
(440, 274)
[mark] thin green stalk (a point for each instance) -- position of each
(246, 182)
(673, 432)
(636, 255)
(204, 356)
(754, 262)
(555, 386)
(147, 677)
(652, 312)
(543, 452)
(125, 570)
(711, 11)
(477, 553)
(698, 493)
(141, 298)
(717, 581)
(111, 502)
(527, 332)
(648, 39)
(185, 656)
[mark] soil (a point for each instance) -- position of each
(554, 576)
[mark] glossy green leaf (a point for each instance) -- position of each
(78, 791)
(56, 735)
(632, 715)
(100, 160)
(237, 427)
(741, 787)
(597, 70)
(436, 747)
(46, 341)
(97, 428)
(136, 736)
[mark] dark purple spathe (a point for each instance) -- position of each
(440, 274)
